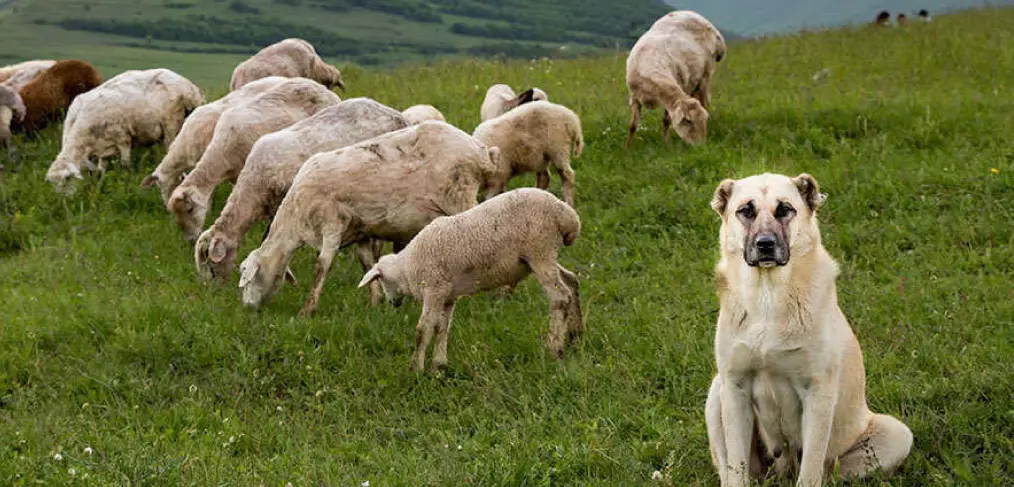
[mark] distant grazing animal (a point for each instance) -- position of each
(498, 243)
(924, 15)
(52, 92)
(532, 139)
(12, 109)
(902, 19)
(670, 66)
(417, 114)
(386, 188)
(292, 58)
(791, 386)
(883, 18)
(196, 134)
(501, 99)
(27, 69)
(235, 134)
(133, 108)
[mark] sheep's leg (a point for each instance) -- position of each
(377, 246)
(703, 93)
(566, 174)
(666, 125)
(635, 118)
(124, 149)
(432, 312)
(575, 317)
(560, 298)
(367, 257)
(443, 328)
(542, 179)
(331, 243)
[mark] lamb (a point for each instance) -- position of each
(416, 114)
(135, 107)
(237, 131)
(291, 58)
(386, 188)
(671, 66)
(52, 92)
(271, 166)
(498, 243)
(23, 71)
(12, 109)
(501, 99)
(196, 134)
(532, 138)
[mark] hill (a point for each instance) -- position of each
(752, 18)
(118, 367)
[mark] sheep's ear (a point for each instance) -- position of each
(216, 251)
(526, 97)
(370, 276)
(722, 194)
(247, 273)
(809, 190)
(149, 181)
(494, 155)
(290, 277)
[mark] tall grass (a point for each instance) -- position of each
(109, 343)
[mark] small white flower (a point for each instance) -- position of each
(459, 447)
(366, 483)
(656, 475)
(193, 388)
(319, 393)
(72, 471)
(278, 408)
(58, 457)
(88, 451)
(226, 420)
(232, 439)
(130, 273)
(80, 295)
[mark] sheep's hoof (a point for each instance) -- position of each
(307, 310)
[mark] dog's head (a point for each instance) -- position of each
(767, 218)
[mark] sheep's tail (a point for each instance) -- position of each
(577, 139)
(569, 223)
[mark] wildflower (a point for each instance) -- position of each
(72, 471)
(193, 388)
(994, 170)
(366, 483)
(88, 451)
(656, 475)
(278, 408)
(58, 457)
(459, 447)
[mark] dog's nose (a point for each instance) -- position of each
(765, 242)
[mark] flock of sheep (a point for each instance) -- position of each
(329, 173)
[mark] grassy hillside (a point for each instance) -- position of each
(110, 345)
(367, 32)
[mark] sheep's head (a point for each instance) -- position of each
(497, 175)
(62, 173)
(260, 277)
(166, 185)
(331, 77)
(215, 255)
(690, 120)
(388, 273)
(189, 208)
(539, 95)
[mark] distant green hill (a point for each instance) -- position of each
(367, 32)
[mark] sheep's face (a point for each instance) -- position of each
(690, 120)
(189, 210)
(259, 279)
(387, 274)
(165, 185)
(62, 174)
(215, 256)
(6, 115)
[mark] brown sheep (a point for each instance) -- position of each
(902, 19)
(51, 93)
(883, 18)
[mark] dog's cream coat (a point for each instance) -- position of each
(791, 386)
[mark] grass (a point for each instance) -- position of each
(109, 342)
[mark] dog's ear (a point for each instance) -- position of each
(722, 194)
(809, 190)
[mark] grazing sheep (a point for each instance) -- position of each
(501, 99)
(133, 108)
(902, 19)
(23, 70)
(271, 166)
(196, 134)
(671, 66)
(52, 92)
(12, 109)
(498, 243)
(291, 58)
(924, 15)
(532, 138)
(386, 188)
(235, 134)
(416, 114)
(883, 19)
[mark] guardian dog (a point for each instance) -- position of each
(791, 388)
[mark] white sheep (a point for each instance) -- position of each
(417, 114)
(235, 134)
(196, 134)
(291, 58)
(12, 109)
(501, 99)
(18, 75)
(133, 108)
(498, 243)
(386, 188)
(271, 166)
(670, 66)
(532, 138)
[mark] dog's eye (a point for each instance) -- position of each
(784, 210)
(747, 211)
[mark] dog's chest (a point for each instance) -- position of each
(764, 347)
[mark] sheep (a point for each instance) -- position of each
(671, 66)
(416, 114)
(386, 188)
(291, 58)
(271, 166)
(498, 243)
(196, 134)
(532, 138)
(24, 71)
(237, 130)
(902, 19)
(924, 15)
(53, 90)
(883, 19)
(501, 99)
(12, 109)
(135, 107)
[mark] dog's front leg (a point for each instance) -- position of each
(818, 400)
(737, 419)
